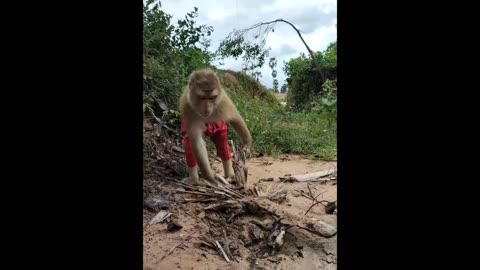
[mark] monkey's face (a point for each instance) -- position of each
(204, 94)
(204, 102)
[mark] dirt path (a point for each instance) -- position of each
(301, 249)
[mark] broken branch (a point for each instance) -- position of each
(223, 252)
(309, 176)
(171, 250)
(227, 248)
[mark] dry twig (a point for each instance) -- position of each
(314, 199)
(174, 247)
(223, 252)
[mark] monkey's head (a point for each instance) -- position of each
(205, 92)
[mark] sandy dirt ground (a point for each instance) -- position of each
(301, 249)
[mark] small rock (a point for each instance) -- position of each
(257, 232)
(330, 208)
(173, 226)
(298, 253)
(156, 204)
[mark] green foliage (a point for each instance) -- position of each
(304, 82)
(275, 130)
(253, 55)
(252, 88)
(171, 53)
(275, 85)
(273, 64)
(330, 57)
(173, 117)
(147, 104)
(326, 104)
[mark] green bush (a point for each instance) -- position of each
(304, 81)
(275, 130)
(171, 53)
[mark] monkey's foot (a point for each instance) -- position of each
(222, 180)
(192, 181)
(231, 179)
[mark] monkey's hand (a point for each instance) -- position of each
(246, 150)
(231, 179)
(219, 178)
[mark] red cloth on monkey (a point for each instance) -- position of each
(217, 132)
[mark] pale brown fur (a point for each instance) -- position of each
(204, 101)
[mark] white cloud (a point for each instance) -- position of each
(321, 38)
(326, 6)
(218, 14)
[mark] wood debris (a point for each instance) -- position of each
(329, 174)
(222, 251)
(160, 217)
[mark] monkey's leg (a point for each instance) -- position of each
(228, 169)
(193, 172)
(223, 151)
(199, 149)
(192, 167)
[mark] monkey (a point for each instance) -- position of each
(206, 109)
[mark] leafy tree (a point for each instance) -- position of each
(170, 53)
(273, 64)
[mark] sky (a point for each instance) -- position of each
(316, 20)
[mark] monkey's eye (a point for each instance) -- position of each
(213, 98)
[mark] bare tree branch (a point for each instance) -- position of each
(270, 25)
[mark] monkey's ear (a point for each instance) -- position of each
(216, 78)
(192, 80)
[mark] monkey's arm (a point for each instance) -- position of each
(241, 129)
